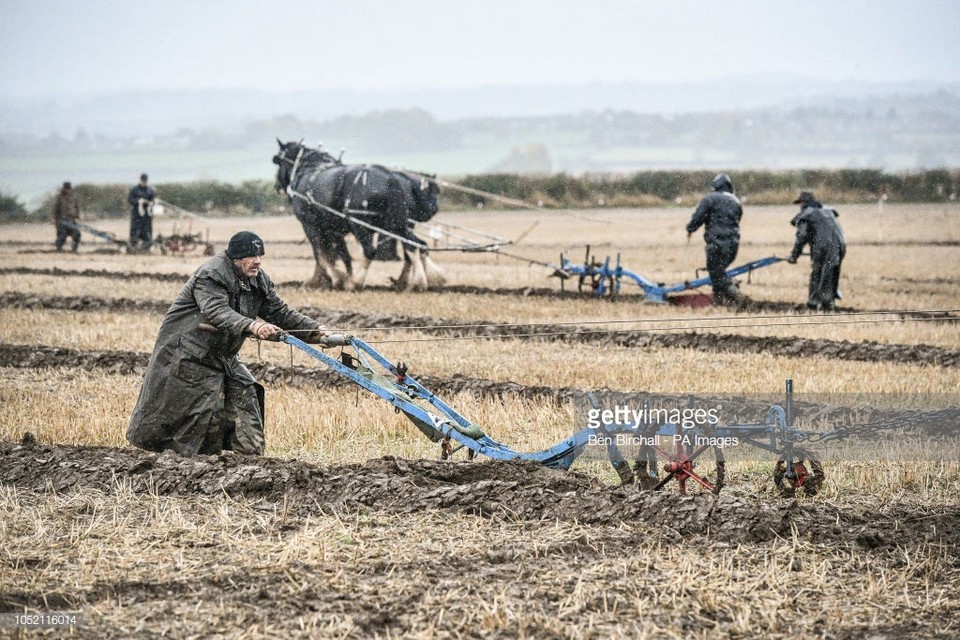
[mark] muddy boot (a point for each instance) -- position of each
(732, 295)
(644, 479)
(622, 467)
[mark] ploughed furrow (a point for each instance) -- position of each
(351, 321)
(94, 273)
(631, 295)
(303, 242)
(736, 409)
(514, 490)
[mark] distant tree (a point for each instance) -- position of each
(11, 208)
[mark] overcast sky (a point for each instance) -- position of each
(51, 47)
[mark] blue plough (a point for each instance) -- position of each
(103, 235)
(366, 367)
(604, 278)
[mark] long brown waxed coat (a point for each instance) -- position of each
(191, 370)
(66, 207)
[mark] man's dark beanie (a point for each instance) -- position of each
(244, 244)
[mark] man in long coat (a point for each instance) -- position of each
(66, 213)
(719, 214)
(197, 397)
(817, 226)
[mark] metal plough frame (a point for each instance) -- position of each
(435, 418)
(369, 369)
(605, 278)
(103, 235)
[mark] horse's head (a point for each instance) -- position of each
(285, 159)
(425, 192)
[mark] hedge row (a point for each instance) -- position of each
(759, 187)
(644, 188)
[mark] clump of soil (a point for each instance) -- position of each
(515, 490)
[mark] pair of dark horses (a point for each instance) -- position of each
(378, 206)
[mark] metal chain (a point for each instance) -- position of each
(949, 416)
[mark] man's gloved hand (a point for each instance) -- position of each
(264, 330)
(792, 260)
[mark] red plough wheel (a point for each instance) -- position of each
(680, 466)
(797, 477)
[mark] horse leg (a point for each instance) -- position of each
(330, 253)
(400, 283)
(320, 279)
(365, 238)
(344, 255)
(321, 271)
(325, 275)
(435, 275)
(417, 277)
(360, 278)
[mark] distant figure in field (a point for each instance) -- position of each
(141, 199)
(719, 214)
(817, 226)
(197, 397)
(66, 213)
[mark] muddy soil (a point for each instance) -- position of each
(710, 342)
(511, 490)
(750, 306)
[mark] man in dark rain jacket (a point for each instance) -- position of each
(197, 397)
(817, 226)
(141, 199)
(719, 213)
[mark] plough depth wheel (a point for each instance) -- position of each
(796, 476)
(681, 468)
(679, 465)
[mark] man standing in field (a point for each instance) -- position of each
(66, 213)
(817, 226)
(719, 214)
(141, 199)
(197, 397)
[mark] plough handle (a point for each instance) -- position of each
(332, 340)
(335, 340)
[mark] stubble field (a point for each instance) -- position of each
(352, 527)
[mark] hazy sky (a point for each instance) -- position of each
(68, 46)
